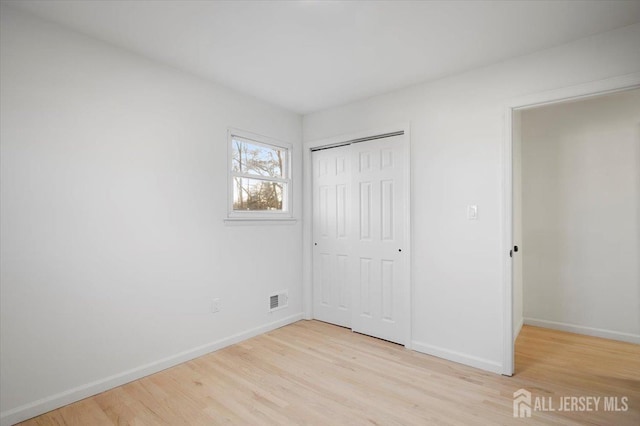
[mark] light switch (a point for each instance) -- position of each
(472, 212)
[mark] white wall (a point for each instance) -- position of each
(581, 204)
(113, 194)
(456, 147)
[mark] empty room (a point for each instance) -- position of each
(319, 212)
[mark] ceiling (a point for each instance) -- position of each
(310, 55)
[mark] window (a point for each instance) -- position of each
(260, 177)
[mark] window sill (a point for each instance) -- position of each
(255, 221)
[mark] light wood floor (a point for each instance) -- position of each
(314, 373)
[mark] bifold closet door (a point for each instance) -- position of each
(358, 234)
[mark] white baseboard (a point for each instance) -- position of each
(518, 329)
(459, 357)
(589, 331)
(52, 402)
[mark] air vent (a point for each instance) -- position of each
(278, 301)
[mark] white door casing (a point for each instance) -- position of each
(569, 93)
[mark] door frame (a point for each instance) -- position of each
(564, 94)
(307, 215)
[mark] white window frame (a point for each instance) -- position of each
(287, 196)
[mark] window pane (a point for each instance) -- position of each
(255, 194)
(258, 160)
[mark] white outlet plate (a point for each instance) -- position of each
(215, 305)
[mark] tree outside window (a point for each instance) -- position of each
(259, 176)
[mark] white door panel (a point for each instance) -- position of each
(331, 234)
(378, 213)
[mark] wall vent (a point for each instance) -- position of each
(278, 301)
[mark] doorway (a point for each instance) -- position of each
(580, 219)
(513, 244)
(360, 245)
